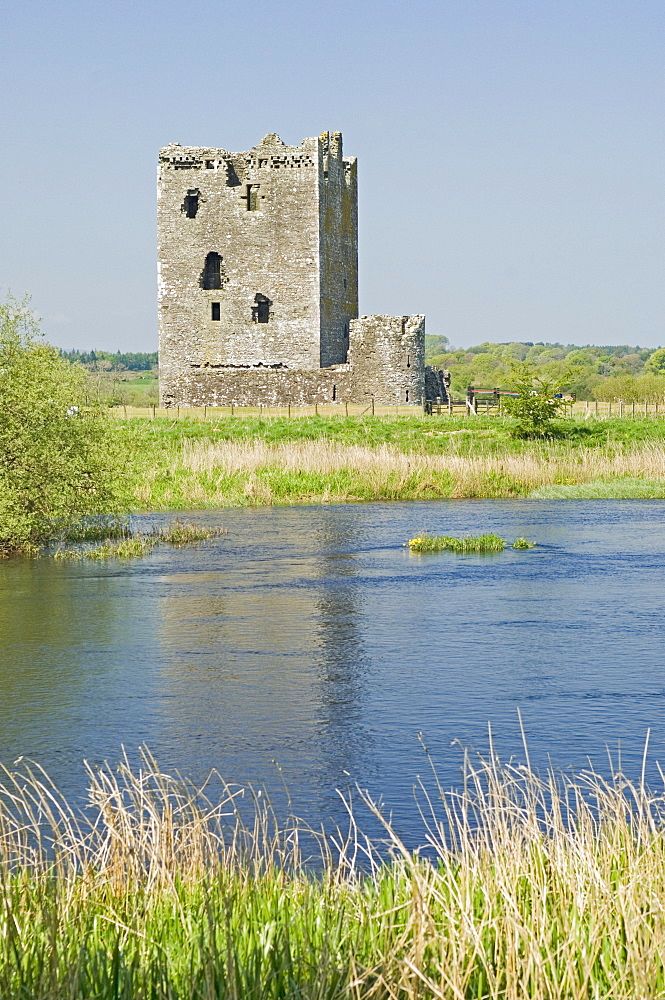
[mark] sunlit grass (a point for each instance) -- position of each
(604, 489)
(243, 462)
(548, 887)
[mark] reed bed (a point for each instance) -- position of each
(542, 887)
(134, 544)
(203, 473)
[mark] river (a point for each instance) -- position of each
(308, 647)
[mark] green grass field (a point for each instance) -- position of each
(241, 461)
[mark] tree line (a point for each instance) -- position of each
(592, 372)
(118, 361)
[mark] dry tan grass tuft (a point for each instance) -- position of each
(548, 887)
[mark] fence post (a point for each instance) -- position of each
(646, 408)
(153, 411)
(372, 405)
(346, 409)
(316, 409)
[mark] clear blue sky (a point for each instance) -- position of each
(511, 152)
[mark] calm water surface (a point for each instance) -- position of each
(309, 638)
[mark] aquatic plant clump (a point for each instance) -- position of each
(125, 548)
(547, 887)
(523, 543)
(185, 533)
(134, 544)
(462, 546)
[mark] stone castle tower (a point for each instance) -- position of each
(258, 282)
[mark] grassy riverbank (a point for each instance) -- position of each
(179, 464)
(542, 889)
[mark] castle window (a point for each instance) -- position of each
(232, 179)
(215, 310)
(211, 276)
(210, 164)
(252, 197)
(190, 205)
(261, 311)
(407, 395)
(408, 361)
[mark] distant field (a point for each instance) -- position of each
(245, 461)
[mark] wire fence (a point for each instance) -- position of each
(581, 409)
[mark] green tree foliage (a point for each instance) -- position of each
(656, 362)
(629, 389)
(58, 461)
(536, 404)
(488, 365)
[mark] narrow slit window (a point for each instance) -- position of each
(252, 197)
(216, 313)
(408, 361)
(211, 276)
(407, 395)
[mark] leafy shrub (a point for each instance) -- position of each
(537, 401)
(59, 463)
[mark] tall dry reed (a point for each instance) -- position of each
(380, 470)
(542, 887)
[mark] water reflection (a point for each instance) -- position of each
(346, 741)
(309, 643)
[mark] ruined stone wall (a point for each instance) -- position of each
(386, 364)
(389, 351)
(255, 386)
(338, 228)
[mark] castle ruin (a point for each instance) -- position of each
(258, 283)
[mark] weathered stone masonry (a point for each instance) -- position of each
(258, 282)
